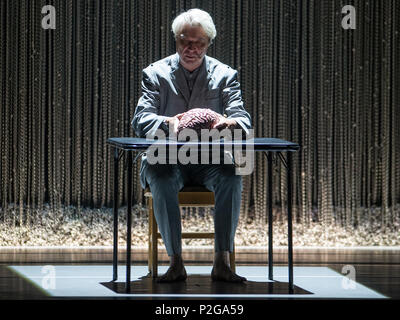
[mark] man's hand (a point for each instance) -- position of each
(174, 122)
(225, 123)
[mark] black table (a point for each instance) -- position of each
(268, 146)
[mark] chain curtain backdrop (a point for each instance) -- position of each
(64, 92)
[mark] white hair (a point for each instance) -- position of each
(195, 17)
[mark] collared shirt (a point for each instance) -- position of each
(191, 76)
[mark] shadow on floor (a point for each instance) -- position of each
(14, 286)
(202, 284)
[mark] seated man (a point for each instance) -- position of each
(183, 81)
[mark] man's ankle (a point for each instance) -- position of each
(176, 260)
(221, 258)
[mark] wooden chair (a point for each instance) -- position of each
(189, 196)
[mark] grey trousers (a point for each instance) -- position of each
(166, 180)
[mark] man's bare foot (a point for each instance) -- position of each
(221, 270)
(224, 273)
(176, 272)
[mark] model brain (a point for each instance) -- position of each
(197, 119)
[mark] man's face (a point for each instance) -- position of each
(192, 44)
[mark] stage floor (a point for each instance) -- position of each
(94, 281)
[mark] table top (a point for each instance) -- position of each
(256, 144)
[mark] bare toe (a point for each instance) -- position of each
(226, 274)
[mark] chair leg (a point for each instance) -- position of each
(150, 225)
(153, 242)
(232, 260)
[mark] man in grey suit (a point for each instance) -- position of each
(185, 80)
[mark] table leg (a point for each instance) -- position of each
(115, 209)
(129, 222)
(269, 206)
(290, 239)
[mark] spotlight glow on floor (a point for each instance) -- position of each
(95, 281)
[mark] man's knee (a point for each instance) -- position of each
(230, 179)
(163, 178)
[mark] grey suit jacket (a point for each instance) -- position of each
(165, 93)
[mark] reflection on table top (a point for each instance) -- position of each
(256, 144)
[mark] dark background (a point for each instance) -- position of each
(304, 78)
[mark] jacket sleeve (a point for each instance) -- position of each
(146, 119)
(233, 103)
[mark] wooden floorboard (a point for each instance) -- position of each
(378, 270)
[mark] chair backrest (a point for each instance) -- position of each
(192, 196)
